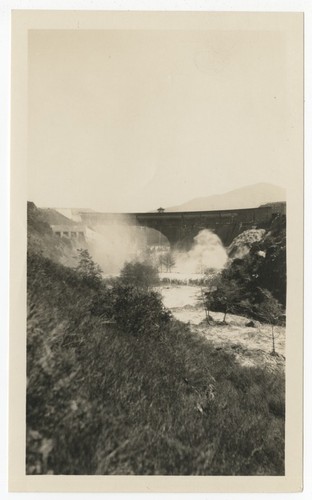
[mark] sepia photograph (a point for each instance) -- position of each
(163, 174)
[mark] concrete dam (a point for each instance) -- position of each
(180, 228)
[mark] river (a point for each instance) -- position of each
(250, 345)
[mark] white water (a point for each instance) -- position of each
(207, 252)
(252, 345)
(111, 246)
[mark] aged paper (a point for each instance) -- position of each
(286, 31)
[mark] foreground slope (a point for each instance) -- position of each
(105, 400)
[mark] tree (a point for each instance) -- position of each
(167, 260)
(270, 311)
(212, 280)
(160, 210)
(226, 296)
(207, 301)
(88, 269)
(139, 274)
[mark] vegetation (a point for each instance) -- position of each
(255, 285)
(89, 271)
(138, 274)
(265, 266)
(41, 239)
(166, 260)
(116, 386)
(270, 311)
(138, 312)
(211, 282)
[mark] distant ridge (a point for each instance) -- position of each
(245, 197)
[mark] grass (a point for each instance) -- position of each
(103, 401)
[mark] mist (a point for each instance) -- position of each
(206, 252)
(111, 246)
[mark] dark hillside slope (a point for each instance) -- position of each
(42, 240)
(101, 400)
(54, 217)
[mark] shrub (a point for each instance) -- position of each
(138, 311)
(139, 274)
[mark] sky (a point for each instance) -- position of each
(124, 121)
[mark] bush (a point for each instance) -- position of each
(138, 311)
(139, 274)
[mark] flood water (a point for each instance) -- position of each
(250, 345)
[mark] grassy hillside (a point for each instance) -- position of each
(105, 398)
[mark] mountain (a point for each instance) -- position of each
(246, 197)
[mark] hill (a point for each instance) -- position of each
(41, 239)
(246, 197)
(53, 217)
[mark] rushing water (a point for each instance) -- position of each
(250, 346)
(185, 302)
